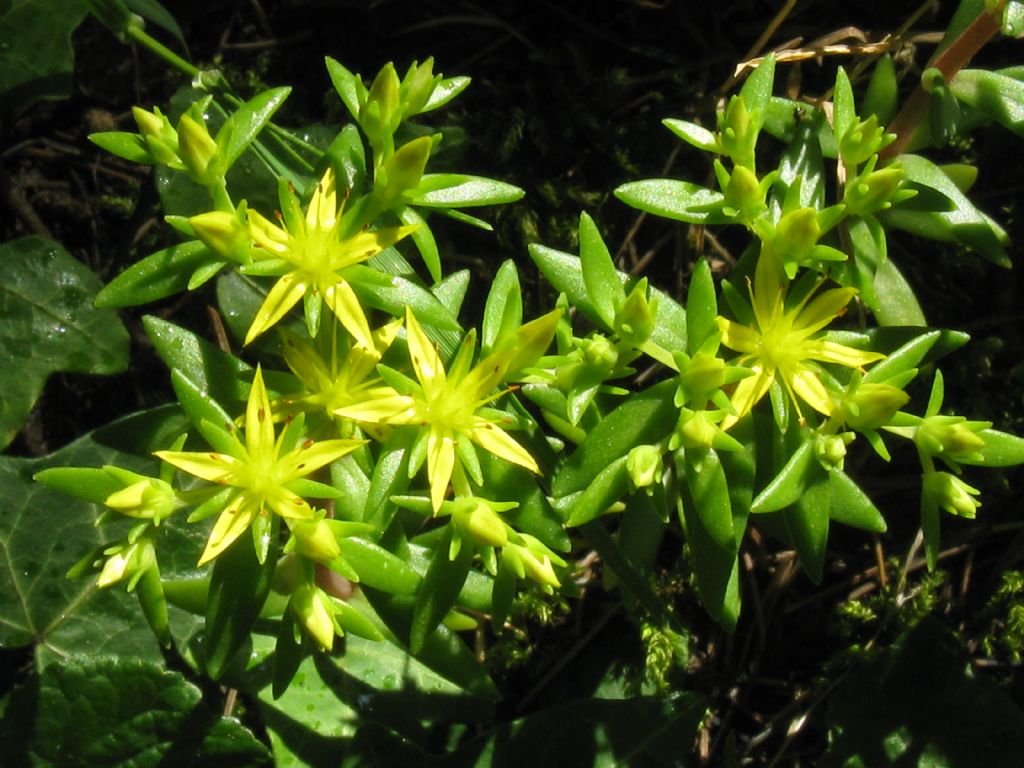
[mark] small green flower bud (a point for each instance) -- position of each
(796, 234)
(417, 86)
(951, 437)
(312, 607)
(951, 493)
(737, 133)
(127, 561)
(315, 539)
(644, 464)
(704, 375)
(635, 319)
(403, 170)
(223, 233)
(831, 449)
(870, 405)
(873, 190)
(159, 135)
(380, 115)
(700, 429)
(148, 499)
(198, 150)
(477, 521)
(529, 564)
(599, 352)
(744, 194)
(863, 139)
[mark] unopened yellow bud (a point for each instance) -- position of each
(797, 233)
(159, 135)
(599, 352)
(379, 116)
(635, 319)
(403, 170)
(148, 498)
(831, 449)
(873, 190)
(315, 539)
(951, 437)
(222, 233)
(863, 139)
(738, 133)
(644, 464)
(871, 405)
(702, 376)
(951, 493)
(313, 610)
(480, 523)
(127, 562)
(417, 86)
(198, 150)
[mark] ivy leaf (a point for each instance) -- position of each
(36, 56)
(124, 711)
(48, 323)
(916, 703)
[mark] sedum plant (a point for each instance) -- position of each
(386, 470)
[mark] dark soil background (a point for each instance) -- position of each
(566, 102)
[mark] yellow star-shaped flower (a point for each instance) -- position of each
(259, 471)
(311, 257)
(447, 404)
(779, 344)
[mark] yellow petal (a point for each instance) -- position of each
(215, 467)
(282, 297)
(493, 439)
(425, 360)
(287, 504)
(345, 305)
(267, 235)
(311, 456)
(830, 352)
(741, 338)
(823, 310)
(808, 387)
(232, 522)
(359, 248)
(747, 393)
(323, 206)
(391, 409)
(259, 425)
(440, 464)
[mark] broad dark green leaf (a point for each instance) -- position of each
(36, 56)
(121, 712)
(916, 703)
(642, 732)
(47, 324)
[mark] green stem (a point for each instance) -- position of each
(140, 36)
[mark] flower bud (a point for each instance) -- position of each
(149, 498)
(312, 607)
(127, 561)
(744, 194)
(951, 437)
(870, 405)
(704, 375)
(403, 170)
(529, 564)
(863, 139)
(796, 234)
(831, 449)
(159, 136)
(644, 464)
(417, 86)
(951, 493)
(634, 320)
(198, 149)
(737, 133)
(315, 539)
(477, 521)
(380, 115)
(223, 234)
(599, 352)
(873, 190)
(699, 429)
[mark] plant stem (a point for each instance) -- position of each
(140, 36)
(950, 61)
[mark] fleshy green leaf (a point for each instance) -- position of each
(48, 324)
(604, 285)
(881, 97)
(503, 310)
(693, 134)
(701, 306)
(456, 190)
(791, 481)
(345, 83)
(677, 200)
(844, 111)
(440, 588)
(157, 276)
(245, 123)
(609, 486)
